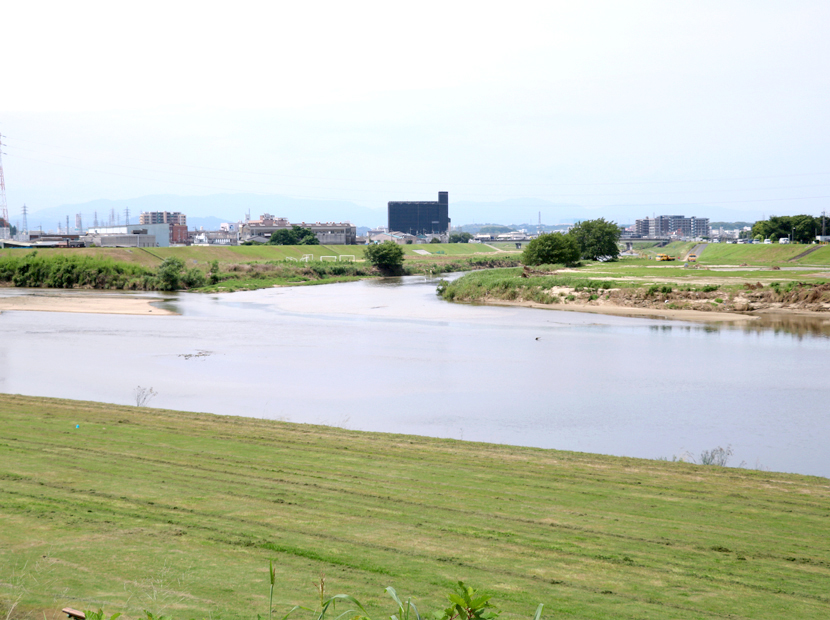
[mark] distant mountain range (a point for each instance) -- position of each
(210, 211)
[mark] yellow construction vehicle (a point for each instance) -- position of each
(665, 257)
(691, 258)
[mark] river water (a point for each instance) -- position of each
(391, 356)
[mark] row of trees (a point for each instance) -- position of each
(589, 240)
(803, 228)
(296, 236)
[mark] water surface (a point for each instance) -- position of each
(391, 356)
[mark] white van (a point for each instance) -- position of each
(768, 241)
(783, 240)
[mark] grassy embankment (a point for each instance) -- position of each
(241, 267)
(179, 513)
(714, 283)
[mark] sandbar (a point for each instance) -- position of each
(650, 313)
(91, 304)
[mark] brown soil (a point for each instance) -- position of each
(719, 305)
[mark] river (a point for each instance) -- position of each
(391, 356)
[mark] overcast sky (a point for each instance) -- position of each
(660, 104)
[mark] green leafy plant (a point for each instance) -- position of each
(99, 615)
(467, 604)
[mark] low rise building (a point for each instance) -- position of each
(327, 233)
(214, 237)
(396, 237)
(161, 234)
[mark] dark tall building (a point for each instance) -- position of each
(421, 218)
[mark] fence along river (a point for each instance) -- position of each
(391, 356)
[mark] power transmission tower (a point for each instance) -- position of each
(5, 231)
(24, 227)
(95, 221)
(127, 216)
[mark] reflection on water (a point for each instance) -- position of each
(389, 355)
(798, 325)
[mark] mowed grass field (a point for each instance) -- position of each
(179, 513)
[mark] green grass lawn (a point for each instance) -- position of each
(179, 513)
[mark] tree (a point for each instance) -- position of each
(803, 228)
(550, 249)
(435, 240)
(296, 236)
(386, 256)
(496, 229)
(170, 273)
(463, 237)
(597, 239)
(283, 236)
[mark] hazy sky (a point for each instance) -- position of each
(660, 104)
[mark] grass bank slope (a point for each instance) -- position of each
(179, 513)
(195, 255)
(751, 254)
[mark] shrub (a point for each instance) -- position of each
(386, 256)
(194, 278)
(170, 274)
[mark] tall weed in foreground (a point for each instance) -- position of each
(716, 456)
(465, 603)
